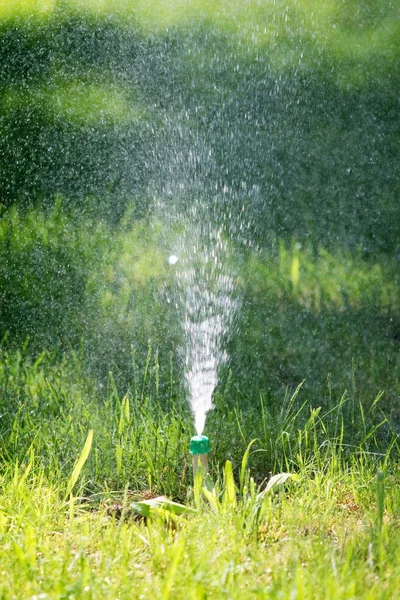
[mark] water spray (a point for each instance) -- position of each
(199, 449)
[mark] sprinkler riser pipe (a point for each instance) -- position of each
(199, 461)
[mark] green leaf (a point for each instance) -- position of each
(141, 508)
(145, 507)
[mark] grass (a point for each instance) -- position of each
(329, 534)
(329, 318)
(141, 438)
(75, 456)
(51, 407)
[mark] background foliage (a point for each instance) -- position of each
(284, 113)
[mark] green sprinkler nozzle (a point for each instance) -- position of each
(199, 449)
(199, 444)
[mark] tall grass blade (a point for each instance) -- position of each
(230, 489)
(212, 500)
(380, 498)
(80, 463)
(180, 547)
(28, 468)
(243, 469)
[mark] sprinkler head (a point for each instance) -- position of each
(199, 444)
(199, 449)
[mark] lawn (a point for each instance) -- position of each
(76, 458)
(328, 533)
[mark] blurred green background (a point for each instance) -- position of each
(283, 116)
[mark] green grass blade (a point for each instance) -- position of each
(230, 489)
(80, 463)
(243, 469)
(180, 547)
